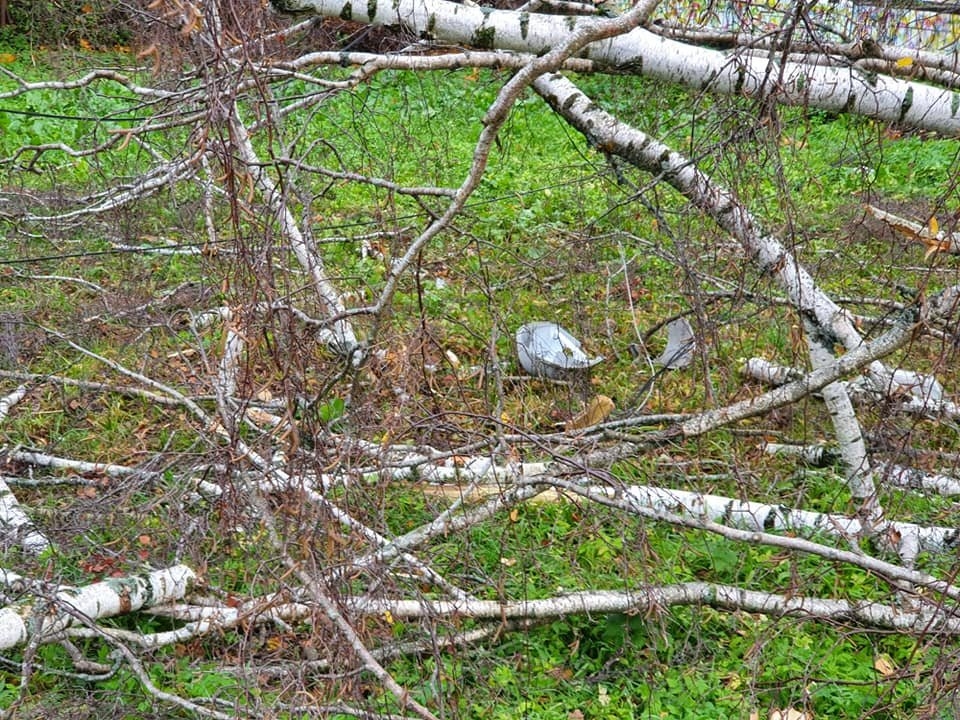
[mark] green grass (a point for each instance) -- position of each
(546, 235)
(676, 663)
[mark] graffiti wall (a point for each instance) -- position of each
(839, 21)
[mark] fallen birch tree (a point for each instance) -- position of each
(282, 408)
(35, 622)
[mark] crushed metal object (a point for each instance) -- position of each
(547, 350)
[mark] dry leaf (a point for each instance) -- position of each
(733, 681)
(262, 418)
(790, 714)
(884, 665)
(596, 411)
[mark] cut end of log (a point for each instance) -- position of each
(930, 234)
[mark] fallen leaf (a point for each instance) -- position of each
(790, 714)
(733, 681)
(596, 411)
(884, 665)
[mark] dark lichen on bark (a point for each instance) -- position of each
(907, 103)
(484, 38)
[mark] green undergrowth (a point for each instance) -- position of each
(553, 232)
(678, 662)
(682, 664)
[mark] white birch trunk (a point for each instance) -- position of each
(204, 620)
(913, 479)
(41, 620)
(340, 336)
(846, 430)
(816, 455)
(755, 516)
(768, 372)
(654, 599)
(8, 401)
(915, 393)
(834, 89)
(229, 366)
(766, 250)
(16, 523)
(649, 154)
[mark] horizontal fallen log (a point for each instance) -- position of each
(914, 393)
(657, 598)
(833, 89)
(762, 524)
(910, 478)
(43, 619)
(641, 600)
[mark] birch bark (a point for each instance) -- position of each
(830, 88)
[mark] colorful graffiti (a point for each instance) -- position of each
(831, 21)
